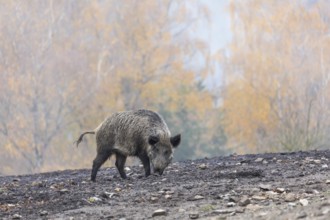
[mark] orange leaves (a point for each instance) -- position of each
(68, 66)
(273, 92)
(246, 111)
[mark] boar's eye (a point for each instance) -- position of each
(153, 140)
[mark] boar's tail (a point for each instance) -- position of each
(81, 137)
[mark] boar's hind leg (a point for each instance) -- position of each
(146, 163)
(120, 163)
(101, 157)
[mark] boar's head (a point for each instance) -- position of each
(161, 151)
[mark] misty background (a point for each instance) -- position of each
(231, 76)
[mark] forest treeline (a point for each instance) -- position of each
(66, 65)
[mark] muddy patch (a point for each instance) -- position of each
(265, 186)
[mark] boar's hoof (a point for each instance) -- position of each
(159, 171)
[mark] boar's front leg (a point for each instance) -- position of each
(146, 163)
(120, 163)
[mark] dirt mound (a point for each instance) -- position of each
(265, 186)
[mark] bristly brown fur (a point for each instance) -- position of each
(142, 133)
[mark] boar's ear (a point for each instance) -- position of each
(153, 140)
(175, 141)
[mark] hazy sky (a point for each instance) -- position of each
(218, 35)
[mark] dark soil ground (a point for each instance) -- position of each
(263, 186)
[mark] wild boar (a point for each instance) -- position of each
(141, 133)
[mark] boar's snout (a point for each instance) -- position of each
(160, 162)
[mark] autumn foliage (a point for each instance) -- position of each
(66, 65)
(277, 76)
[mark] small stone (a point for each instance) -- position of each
(231, 204)
(181, 210)
(308, 159)
(193, 215)
(259, 159)
(244, 201)
(127, 169)
(232, 199)
(325, 211)
(327, 181)
(232, 213)
(222, 211)
(17, 216)
(109, 195)
(37, 183)
(168, 196)
(280, 190)
(262, 214)
(315, 191)
(264, 162)
(117, 189)
(16, 180)
(253, 207)
(302, 215)
(290, 197)
(190, 186)
(265, 186)
(197, 197)
(292, 204)
(159, 212)
(317, 161)
(94, 199)
(153, 199)
(43, 213)
(64, 191)
(239, 210)
(324, 166)
(202, 166)
(303, 202)
(259, 198)
(275, 171)
(271, 195)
